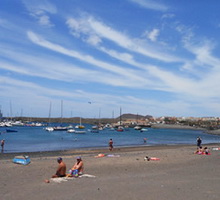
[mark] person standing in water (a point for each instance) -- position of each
(199, 142)
(2, 145)
(110, 143)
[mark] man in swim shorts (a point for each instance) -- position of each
(61, 170)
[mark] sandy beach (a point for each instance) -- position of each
(179, 174)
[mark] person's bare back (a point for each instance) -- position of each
(61, 170)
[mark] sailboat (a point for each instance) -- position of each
(49, 128)
(80, 126)
(58, 128)
(120, 127)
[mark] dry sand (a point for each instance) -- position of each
(179, 175)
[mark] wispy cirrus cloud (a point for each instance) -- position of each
(89, 27)
(150, 4)
(132, 75)
(40, 11)
(168, 81)
(59, 69)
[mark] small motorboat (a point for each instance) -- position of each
(49, 129)
(71, 130)
(11, 130)
(137, 128)
(60, 128)
(120, 129)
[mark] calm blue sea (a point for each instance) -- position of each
(33, 139)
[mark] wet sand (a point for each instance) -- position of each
(179, 174)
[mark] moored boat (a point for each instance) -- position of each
(137, 127)
(143, 130)
(11, 130)
(120, 129)
(80, 126)
(71, 130)
(49, 129)
(60, 128)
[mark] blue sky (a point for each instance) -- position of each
(148, 57)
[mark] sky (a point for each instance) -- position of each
(90, 58)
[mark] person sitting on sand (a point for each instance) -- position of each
(77, 168)
(205, 151)
(61, 170)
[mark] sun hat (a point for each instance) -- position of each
(78, 158)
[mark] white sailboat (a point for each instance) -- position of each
(49, 128)
(120, 127)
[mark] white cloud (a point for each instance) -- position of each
(89, 26)
(153, 34)
(87, 59)
(37, 7)
(45, 20)
(40, 10)
(94, 40)
(77, 26)
(150, 4)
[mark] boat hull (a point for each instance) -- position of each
(23, 160)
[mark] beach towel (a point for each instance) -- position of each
(113, 156)
(63, 179)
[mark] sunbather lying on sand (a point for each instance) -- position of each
(202, 151)
(151, 158)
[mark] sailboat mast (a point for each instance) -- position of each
(11, 110)
(99, 115)
(120, 116)
(49, 113)
(113, 116)
(61, 111)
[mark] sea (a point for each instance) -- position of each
(37, 139)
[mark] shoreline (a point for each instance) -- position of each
(91, 151)
(178, 126)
